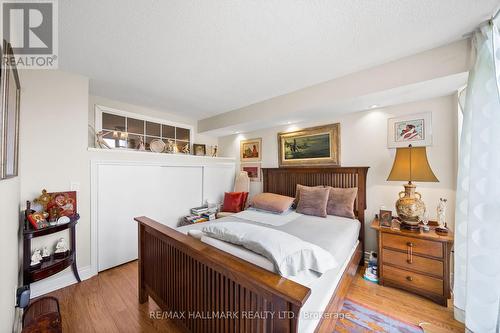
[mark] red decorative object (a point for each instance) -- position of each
(244, 199)
(62, 204)
(38, 220)
(232, 202)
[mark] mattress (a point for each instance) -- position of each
(337, 235)
(333, 233)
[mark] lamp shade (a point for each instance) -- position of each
(411, 164)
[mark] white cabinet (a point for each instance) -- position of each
(162, 192)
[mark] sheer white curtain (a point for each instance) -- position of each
(477, 226)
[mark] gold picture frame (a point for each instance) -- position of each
(251, 150)
(314, 146)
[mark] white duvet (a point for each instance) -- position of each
(290, 255)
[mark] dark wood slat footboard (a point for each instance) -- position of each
(204, 289)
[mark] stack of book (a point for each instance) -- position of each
(199, 210)
(371, 274)
(199, 218)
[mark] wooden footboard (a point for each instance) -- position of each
(204, 289)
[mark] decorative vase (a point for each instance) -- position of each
(410, 207)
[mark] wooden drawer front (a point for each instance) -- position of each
(419, 246)
(413, 280)
(420, 264)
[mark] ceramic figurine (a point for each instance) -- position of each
(61, 246)
(36, 258)
(141, 145)
(45, 253)
(214, 151)
(170, 147)
(185, 149)
(441, 216)
(441, 212)
(99, 142)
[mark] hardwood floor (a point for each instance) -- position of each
(108, 303)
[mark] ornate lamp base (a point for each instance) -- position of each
(410, 207)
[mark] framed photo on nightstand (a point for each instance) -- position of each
(385, 218)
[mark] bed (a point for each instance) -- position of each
(216, 291)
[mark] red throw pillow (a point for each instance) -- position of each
(232, 202)
(244, 199)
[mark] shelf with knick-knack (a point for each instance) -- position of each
(54, 212)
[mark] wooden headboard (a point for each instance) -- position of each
(284, 181)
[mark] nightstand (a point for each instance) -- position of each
(418, 262)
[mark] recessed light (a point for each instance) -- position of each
(237, 132)
(374, 106)
(288, 122)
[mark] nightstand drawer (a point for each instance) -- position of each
(413, 262)
(414, 280)
(417, 245)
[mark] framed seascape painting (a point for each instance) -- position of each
(414, 129)
(253, 170)
(310, 147)
(250, 150)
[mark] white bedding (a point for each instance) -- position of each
(289, 254)
(267, 218)
(337, 235)
(333, 233)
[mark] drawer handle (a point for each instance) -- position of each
(409, 253)
(409, 278)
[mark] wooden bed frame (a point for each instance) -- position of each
(204, 289)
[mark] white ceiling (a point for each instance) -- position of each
(199, 58)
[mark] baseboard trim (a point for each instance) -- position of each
(50, 284)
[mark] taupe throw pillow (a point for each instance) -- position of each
(313, 201)
(297, 193)
(272, 202)
(341, 201)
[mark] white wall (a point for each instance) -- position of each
(54, 141)
(153, 113)
(364, 143)
(53, 147)
(9, 255)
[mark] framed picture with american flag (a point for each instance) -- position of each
(413, 129)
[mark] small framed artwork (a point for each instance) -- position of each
(414, 129)
(250, 150)
(199, 150)
(254, 171)
(385, 218)
(310, 146)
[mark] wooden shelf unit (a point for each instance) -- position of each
(53, 265)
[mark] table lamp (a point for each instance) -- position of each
(411, 164)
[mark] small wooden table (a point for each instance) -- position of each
(53, 265)
(416, 261)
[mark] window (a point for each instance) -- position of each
(124, 130)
